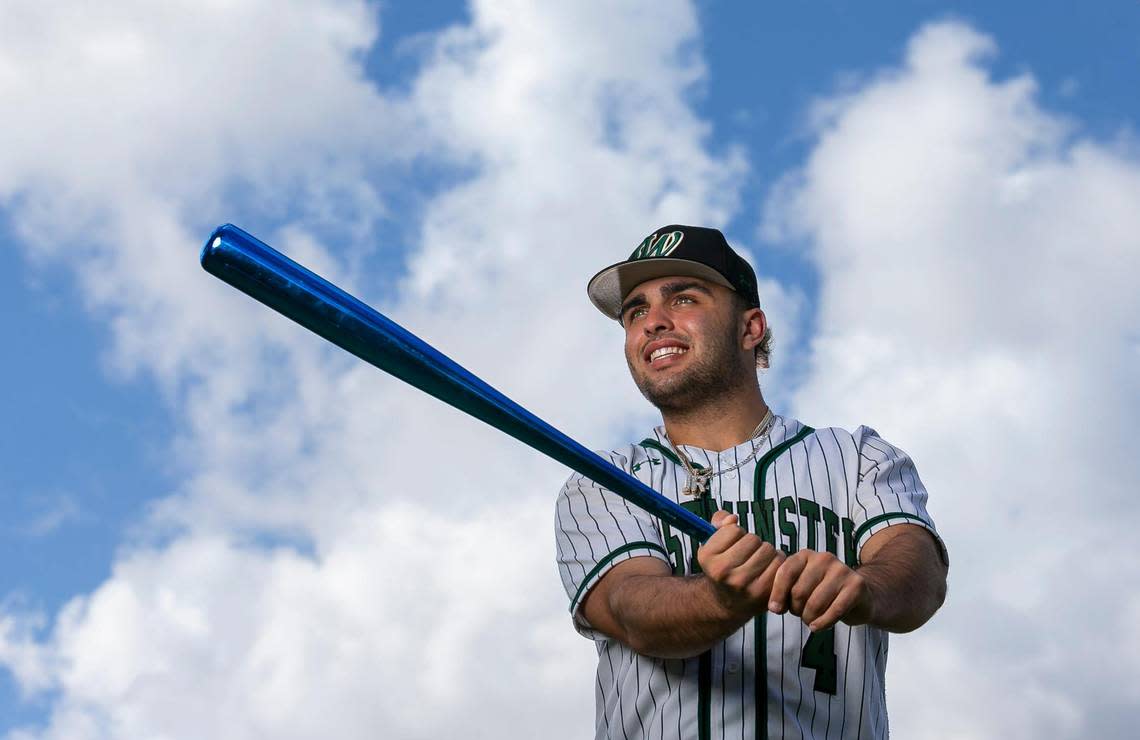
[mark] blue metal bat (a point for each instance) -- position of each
(262, 272)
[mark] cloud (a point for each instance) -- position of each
(205, 638)
(47, 513)
(977, 255)
(342, 547)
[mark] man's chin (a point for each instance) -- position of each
(670, 394)
(684, 391)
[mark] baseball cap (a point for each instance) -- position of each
(694, 251)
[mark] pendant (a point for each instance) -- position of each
(696, 487)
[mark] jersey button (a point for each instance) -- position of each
(732, 666)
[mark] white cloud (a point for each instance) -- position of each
(978, 258)
(207, 639)
(44, 513)
(421, 563)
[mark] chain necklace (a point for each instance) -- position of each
(697, 483)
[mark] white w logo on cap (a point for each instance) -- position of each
(658, 246)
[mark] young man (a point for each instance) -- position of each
(776, 627)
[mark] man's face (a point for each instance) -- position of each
(683, 342)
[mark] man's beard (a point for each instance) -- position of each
(718, 372)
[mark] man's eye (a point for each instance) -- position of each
(637, 312)
(684, 298)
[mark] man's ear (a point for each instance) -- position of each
(755, 324)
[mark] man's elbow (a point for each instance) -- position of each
(925, 606)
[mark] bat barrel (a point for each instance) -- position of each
(255, 268)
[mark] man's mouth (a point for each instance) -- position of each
(662, 354)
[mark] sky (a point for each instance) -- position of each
(219, 526)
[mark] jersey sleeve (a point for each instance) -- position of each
(595, 529)
(889, 491)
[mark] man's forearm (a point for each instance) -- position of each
(672, 616)
(907, 582)
(642, 604)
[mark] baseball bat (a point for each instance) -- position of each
(270, 277)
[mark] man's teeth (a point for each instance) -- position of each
(665, 351)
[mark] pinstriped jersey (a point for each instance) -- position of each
(825, 489)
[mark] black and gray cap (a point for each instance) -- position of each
(694, 251)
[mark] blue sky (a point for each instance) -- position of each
(106, 456)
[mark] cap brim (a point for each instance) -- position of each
(609, 287)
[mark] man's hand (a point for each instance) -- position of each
(899, 584)
(643, 605)
(740, 567)
(820, 589)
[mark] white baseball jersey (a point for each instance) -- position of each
(825, 489)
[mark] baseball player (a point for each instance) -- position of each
(776, 627)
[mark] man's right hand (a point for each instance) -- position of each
(642, 604)
(740, 567)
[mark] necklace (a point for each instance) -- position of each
(697, 483)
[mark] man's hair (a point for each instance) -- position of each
(764, 348)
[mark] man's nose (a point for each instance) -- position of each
(657, 320)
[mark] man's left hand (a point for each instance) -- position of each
(820, 589)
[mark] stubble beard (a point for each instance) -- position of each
(716, 374)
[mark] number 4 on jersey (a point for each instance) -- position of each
(819, 655)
